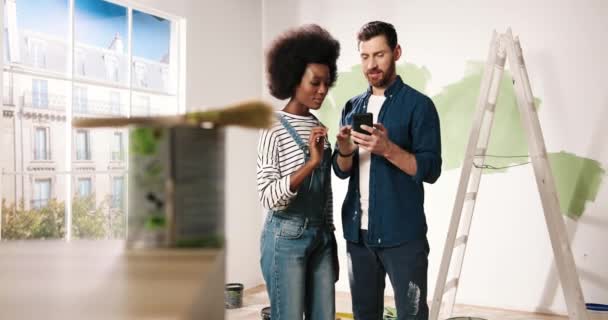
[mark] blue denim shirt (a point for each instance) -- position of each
(396, 199)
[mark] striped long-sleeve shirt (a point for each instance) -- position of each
(278, 157)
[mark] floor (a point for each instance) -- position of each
(256, 298)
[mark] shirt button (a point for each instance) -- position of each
(355, 212)
(379, 240)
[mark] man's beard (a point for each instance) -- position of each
(384, 80)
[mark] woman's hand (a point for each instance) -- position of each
(316, 145)
(345, 143)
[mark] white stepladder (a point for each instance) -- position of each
(504, 47)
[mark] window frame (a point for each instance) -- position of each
(76, 73)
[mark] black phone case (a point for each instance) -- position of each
(362, 118)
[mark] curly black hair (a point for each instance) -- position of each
(292, 51)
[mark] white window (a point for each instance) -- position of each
(42, 193)
(40, 93)
(114, 102)
(140, 74)
(37, 48)
(83, 145)
(85, 187)
(80, 100)
(80, 62)
(117, 192)
(117, 147)
(68, 69)
(41, 144)
(111, 63)
(144, 107)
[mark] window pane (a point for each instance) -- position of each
(100, 51)
(84, 187)
(152, 53)
(83, 145)
(93, 213)
(118, 151)
(32, 207)
(118, 192)
(37, 34)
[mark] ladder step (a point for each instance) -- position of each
(470, 196)
(491, 107)
(452, 284)
(461, 240)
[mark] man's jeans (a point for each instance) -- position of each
(406, 266)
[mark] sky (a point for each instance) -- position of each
(96, 22)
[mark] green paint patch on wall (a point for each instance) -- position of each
(577, 179)
(456, 105)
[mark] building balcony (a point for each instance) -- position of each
(44, 101)
(90, 107)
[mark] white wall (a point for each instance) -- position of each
(509, 262)
(224, 64)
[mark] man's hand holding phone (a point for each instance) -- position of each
(371, 137)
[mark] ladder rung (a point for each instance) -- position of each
(452, 284)
(491, 107)
(470, 196)
(461, 240)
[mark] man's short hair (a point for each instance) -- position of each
(377, 28)
(292, 51)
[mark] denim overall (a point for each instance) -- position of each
(296, 250)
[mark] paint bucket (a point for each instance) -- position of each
(233, 295)
(176, 187)
(597, 311)
(265, 313)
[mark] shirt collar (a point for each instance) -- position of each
(394, 87)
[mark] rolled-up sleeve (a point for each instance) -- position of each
(426, 142)
(334, 158)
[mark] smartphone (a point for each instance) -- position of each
(360, 119)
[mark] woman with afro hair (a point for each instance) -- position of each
(298, 247)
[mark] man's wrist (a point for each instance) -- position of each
(391, 148)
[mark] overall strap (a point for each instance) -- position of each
(294, 135)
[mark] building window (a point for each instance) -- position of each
(114, 102)
(80, 62)
(42, 193)
(117, 192)
(140, 74)
(143, 107)
(83, 145)
(80, 100)
(40, 93)
(117, 147)
(41, 144)
(112, 68)
(37, 50)
(85, 187)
